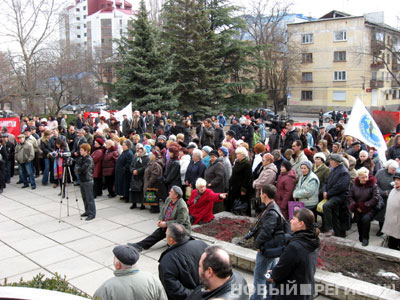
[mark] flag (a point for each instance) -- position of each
(362, 126)
(127, 110)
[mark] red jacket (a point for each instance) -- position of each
(202, 210)
(97, 156)
(284, 190)
(109, 161)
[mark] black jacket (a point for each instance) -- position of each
(179, 268)
(248, 133)
(194, 171)
(139, 164)
(219, 137)
(10, 148)
(338, 184)
(85, 168)
(207, 136)
(172, 175)
(297, 266)
(236, 129)
(214, 175)
(266, 225)
(289, 138)
(234, 289)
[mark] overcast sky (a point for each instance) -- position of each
(317, 8)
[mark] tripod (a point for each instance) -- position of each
(67, 174)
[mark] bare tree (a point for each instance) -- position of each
(28, 23)
(266, 26)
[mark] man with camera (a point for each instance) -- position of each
(268, 235)
(84, 168)
(25, 154)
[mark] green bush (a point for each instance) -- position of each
(55, 283)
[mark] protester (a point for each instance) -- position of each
(122, 172)
(109, 162)
(137, 168)
(392, 216)
(25, 154)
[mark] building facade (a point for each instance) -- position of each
(94, 24)
(342, 57)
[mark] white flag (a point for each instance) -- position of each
(127, 110)
(363, 127)
(104, 114)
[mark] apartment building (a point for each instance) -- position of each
(342, 57)
(94, 24)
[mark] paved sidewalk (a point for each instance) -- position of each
(32, 240)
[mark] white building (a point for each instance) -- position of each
(95, 24)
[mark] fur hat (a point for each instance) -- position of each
(320, 155)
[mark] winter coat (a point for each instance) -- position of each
(131, 284)
(152, 172)
(267, 176)
(377, 165)
(172, 175)
(394, 151)
(364, 196)
(77, 143)
(139, 163)
(236, 129)
(84, 168)
(274, 141)
(296, 162)
(207, 136)
(24, 153)
(45, 146)
(195, 171)
(122, 173)
(180, 214)
(289, 138)
(109, 161)
(219, 137)
(97, 157)
(297, 266)
(338, 184)
(184, 163)
(227, 171)
(384, 180)
(391, 227)
(366, 164)
(284, 190)
(248, 133)
(239, 182)
(187, 135)
(234, 289)
(266, 225)
(322, 173)
(307, 190)
(214, 175)
(178, 268)
(202, 210)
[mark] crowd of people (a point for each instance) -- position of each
(241, 164)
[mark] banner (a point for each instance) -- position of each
(104, 114)
(127, 110)
(363, 127)
(12, 124)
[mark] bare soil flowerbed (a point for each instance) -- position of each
(332, 257)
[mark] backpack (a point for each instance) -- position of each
(274, 247)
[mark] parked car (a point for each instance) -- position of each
(101, 105)
(7, 114)
(269, 113)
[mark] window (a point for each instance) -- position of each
(379, 36)
(78, 27)
(84, 16)
(306, 76)
(307, 38)
(306, 58)
(339, 56)
(306, 95)
(84, 34)
(120, 31)
(77, 18)
(339, 76)
(339, 36)
(388, 58)
(84, 8)
(78, 36)
(374, 75)
(383, 75)
(387, 76)
(339, 95)
(84, 25)
(120, 22)
(77, 9)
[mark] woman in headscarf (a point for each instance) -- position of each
(137, 169)
(122, 172)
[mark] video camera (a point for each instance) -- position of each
(276, 123)
(68, 160)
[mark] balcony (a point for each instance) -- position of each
(374, 84)
(377, 65)
(395, 83)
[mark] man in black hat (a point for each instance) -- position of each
(336, 214)
(174, 210)
(129, 282)
(356, 146)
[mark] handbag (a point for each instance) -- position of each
(293, 206)
(150, 197)
(380, 205)
(239, 207)
(320, 206)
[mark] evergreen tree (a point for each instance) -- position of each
(144, 69)
(187, 31)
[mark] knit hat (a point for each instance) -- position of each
(191, 146)
(163, 137)
(320, 155)
(100, 141)
(224, 150)
(147, 135)
(177, 190)
(126, 254)
(307, 163)
(287, 165)
(214, 153)
(172, 137)
(208, 149)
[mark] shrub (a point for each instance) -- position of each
(55, 283)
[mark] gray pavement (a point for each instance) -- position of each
(33, 240)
